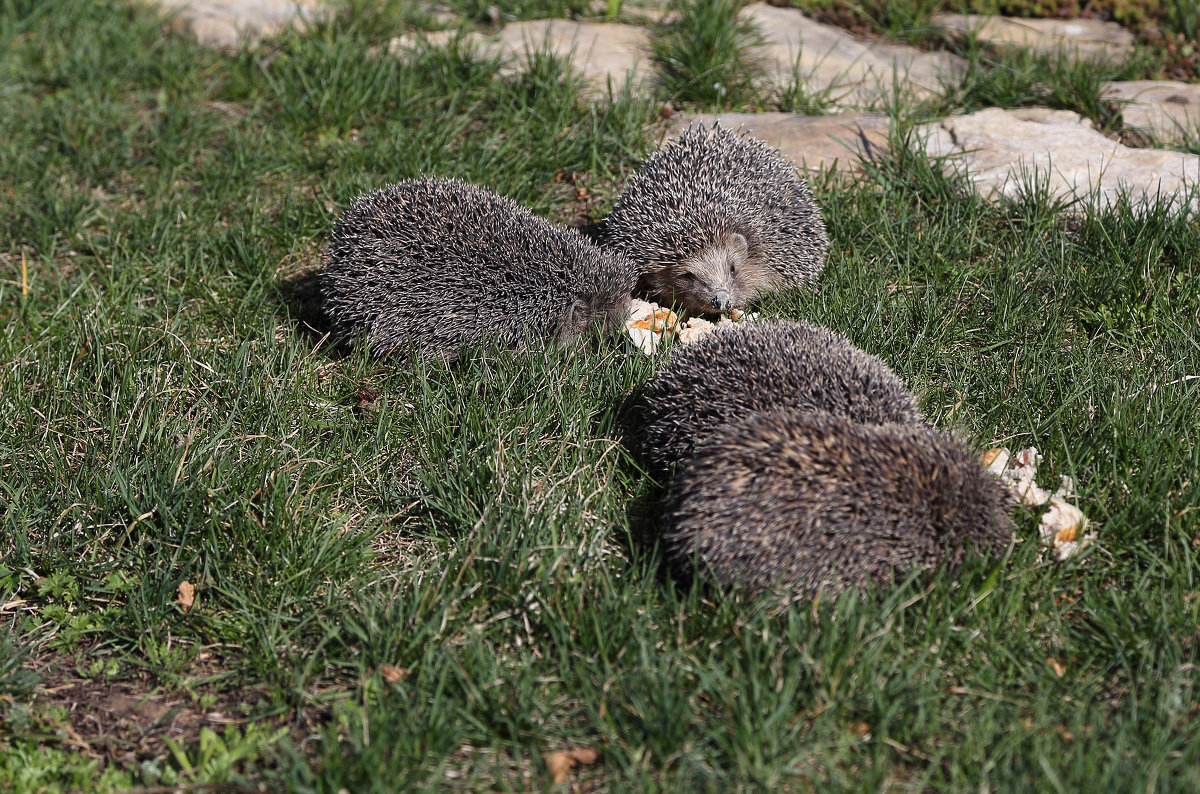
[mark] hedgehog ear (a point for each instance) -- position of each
(738, 243)
(575, 319)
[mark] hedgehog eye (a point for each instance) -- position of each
(732, 268)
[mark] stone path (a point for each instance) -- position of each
(226, 24)
(1003, 149)
(1164, 109)
(995, 146)
(1088, 38)
(602, 52)
(851, 72)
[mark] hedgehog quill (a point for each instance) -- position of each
(716, 220)
(438, 265)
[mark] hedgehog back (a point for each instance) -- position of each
(758, 367)
(709, 182)
(803, 501)
(441, 264)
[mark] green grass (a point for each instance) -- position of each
(708, 61)
(507, 10)
(164, 417)
(1023, 78)
(706, 56)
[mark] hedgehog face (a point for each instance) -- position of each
(721, 277)
(608, 309)
(708, 281)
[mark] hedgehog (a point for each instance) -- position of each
(715, 220)
(438, 265)
(801, 501)
(756, 367)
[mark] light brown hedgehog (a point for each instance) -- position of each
(806, 501)
(715, 220)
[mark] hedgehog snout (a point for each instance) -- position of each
(722, 301)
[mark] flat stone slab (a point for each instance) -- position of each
(602, 52)
(854, 73)
(1088, 38)
(227, 24)
(1164, 109)
(811, 142)
(1001, 149)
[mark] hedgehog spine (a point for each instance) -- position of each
(716, 220)
(437, 265)
(806, 501)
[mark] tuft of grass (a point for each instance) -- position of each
(16, 680)
(904, 20)
(1183, 17)
(498, 11)
(1014, 77)
(797, 95)
(706, 56)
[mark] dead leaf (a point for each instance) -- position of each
(186, 596)
(393, 675)
(1057, 667)
(860, 730)
(560, 763)
(585, 756)
(366, 395)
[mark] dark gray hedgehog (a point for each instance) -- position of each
(737, 371)
(437, 265)
(714, 220)
(808, 501)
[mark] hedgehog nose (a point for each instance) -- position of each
(723, 301)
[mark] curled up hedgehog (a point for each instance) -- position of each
(802, 463)
(802, 501)
(741, 370)
(715, 220)
(438, 265)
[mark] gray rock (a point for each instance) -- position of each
(226, 24)
(602, 52)
(811, 142)
(1088, 38)
(1002, 149)
(852, 72)
(1163, 109)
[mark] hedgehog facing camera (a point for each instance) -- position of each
(438, 265)
(715, 220)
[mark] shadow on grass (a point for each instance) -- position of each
(299, 300)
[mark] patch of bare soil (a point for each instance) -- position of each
(129, 719)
